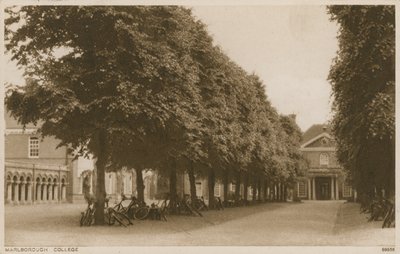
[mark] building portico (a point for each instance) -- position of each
(324, 178)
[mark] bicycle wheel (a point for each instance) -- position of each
(82, 220)
(121, 218)
(142, 213)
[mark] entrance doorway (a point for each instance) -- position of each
(323, 188)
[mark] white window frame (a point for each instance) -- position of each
(217, 190)
(323, 162)
(109, 186)
(34, 144)
(350, 190)
(233, 186)
(305, 189)
(199, 189)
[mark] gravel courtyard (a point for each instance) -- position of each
(308, 223)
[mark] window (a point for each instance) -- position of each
(324, 159)
(217, 190)
(199, 191)
(33, 147)
(249, 191)
(233, 187)
(109, 185)
(302, 189)
(347, 190)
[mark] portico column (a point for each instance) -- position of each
(29, 194)
(337, 188)
(15, 197)
(23, 192)
(63, 193)
(56, 192)
(45, 190)
(50, 191)
(309, 189)
(38, 192)
(9, 192)
(332, 188)
(313, 188)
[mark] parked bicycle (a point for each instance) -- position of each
(110, 216)
(184, 206)
(158, 211)
(389, 219)
(199, 204)
(218, 203)
(135, 210)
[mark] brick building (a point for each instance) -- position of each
(36, 172)
(325, 178)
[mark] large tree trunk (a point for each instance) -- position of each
(391, 171)
(172, 187)
(245, 186)
(211, 184)
(237, 187)
(192, 182)
(100, 185)
(139, 185)
(226, 183)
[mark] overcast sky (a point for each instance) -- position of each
(290, 47)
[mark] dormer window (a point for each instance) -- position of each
(323, 159)
(33, 147)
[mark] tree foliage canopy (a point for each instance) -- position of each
(138, 86)
(363, 83)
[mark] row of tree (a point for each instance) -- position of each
(145, 88)
(363, 84)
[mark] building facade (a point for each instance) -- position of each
(325, 179)
(37, 172)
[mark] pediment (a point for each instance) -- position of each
(322, 140)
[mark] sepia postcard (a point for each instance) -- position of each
(198, 126)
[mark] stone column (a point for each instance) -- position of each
(9, 192)
(337, 188)
(15, 197)
(309, 189)
(38, 192)
(23, 184)
(50, 191)
(313, 189)
(45, 190)
(56, 192)
(332, 188)
(29, 194)
(63, 193)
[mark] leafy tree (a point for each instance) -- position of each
(104, 92)
(362, 78)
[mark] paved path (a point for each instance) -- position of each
(308, 223)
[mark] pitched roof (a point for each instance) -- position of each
(314, 131)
